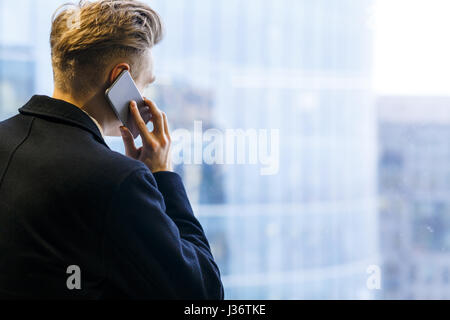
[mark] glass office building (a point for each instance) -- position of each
(300, 67)
(414, 184)
(304, 68)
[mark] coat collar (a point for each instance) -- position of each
(50, 108)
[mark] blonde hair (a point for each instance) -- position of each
(86, 37)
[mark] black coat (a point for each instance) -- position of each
(67, 200)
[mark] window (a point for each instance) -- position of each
(351, 121)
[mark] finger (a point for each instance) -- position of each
(166, 126)
(157, 117)
(128, 140)
(141, 125)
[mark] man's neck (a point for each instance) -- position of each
(94, 107)
(57, 94)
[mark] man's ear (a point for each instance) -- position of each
(117, 70)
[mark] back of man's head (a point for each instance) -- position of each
(88, 37)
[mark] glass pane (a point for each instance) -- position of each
(312, 136)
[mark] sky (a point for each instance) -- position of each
(412, 47)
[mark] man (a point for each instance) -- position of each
(78, 220)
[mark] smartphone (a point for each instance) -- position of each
(119, 96)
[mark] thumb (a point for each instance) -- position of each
(128, 140)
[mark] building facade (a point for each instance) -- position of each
(414, 186)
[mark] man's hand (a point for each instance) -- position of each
(155, 152)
